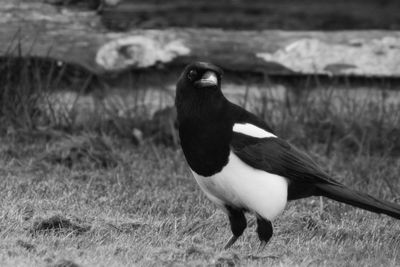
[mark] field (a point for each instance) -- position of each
(93, 197)
(91, 170)
(135, 205)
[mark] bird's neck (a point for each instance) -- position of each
(201, 107)
(205, 131)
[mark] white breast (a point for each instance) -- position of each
(240, 185)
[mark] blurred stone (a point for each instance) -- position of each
(137, 136)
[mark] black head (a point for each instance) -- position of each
(200, 76)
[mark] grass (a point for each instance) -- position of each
(107, 195)
(146, 210)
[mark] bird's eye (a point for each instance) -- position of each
(192, 75)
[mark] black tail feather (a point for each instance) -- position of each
(343, 194)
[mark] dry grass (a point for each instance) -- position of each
(146, 210)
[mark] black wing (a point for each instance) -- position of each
(277, 156)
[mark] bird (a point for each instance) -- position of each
(242, 165)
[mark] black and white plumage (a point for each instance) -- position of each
(241, 165)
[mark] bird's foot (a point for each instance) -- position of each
(231, 241)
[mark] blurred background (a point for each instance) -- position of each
(88, 129)
(255, 15)
(318, 71)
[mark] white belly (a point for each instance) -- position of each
(240, 185)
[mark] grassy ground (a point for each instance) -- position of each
(97, 201)
(88, 196)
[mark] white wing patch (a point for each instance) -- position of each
(251, 130)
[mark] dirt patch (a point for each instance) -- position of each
(64, 263)
(25, 245)
(57, 224)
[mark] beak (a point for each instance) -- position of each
(208, 79)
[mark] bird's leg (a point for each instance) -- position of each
(231, 241)
(261, 246)
(264, 231)
(238, 224)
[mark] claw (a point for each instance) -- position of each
(231, 241)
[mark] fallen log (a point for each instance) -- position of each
(36, 29)
(303, 15)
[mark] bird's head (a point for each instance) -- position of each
(199, 78)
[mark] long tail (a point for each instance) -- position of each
(343, 194)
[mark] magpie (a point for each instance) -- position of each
(241, 165)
